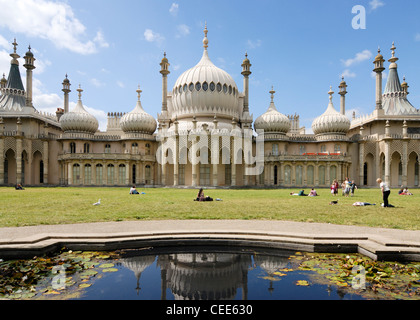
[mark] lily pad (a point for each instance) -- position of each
(110, 270)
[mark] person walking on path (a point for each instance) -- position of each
(385, 191)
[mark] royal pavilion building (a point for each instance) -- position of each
(205, 136)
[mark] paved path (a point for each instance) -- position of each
(377, 243)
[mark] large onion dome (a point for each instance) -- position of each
(205, 90)
(331, 122)
(79, 120)
(272, 120)
(138, 121)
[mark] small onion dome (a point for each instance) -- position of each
(331, 122)
(379, 57)
(138, 121)
(272, 120)
(79, 120)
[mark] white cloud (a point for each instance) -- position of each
(360, 57)
(254, 44)
(120, 84)
(4, 43)
(96, 82)
(375, 4)
(183, 30)
(54, 21)
(348, 74)
(417, 37)
(174, 9)
(152, 36)
(100, 40)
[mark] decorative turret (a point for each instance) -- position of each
(394, 98)
(273, 121)
(164, 71)
(246, 72)
(3, 82)
(203, 91)
(29, 65)
(79, 120)
(343, 91)
(66, 89)
(138, 121)
(13, 96)
(331, 122)
(379, 68)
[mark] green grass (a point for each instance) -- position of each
(36, 206)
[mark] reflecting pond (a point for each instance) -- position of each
(206, 273)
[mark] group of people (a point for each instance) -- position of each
(302, 193)
(347, 187)
(404, 192)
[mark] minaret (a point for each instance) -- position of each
(29, 65)
(164, 71)
(3, 82)
(379, 68)
(343, 91)
(246, 72)
(405, 87)
(66, 90)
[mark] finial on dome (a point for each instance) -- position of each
(205, 40)
(393, 59)
(272, 92)
(331, 92)
(139, 92)
(80, 90)
(14, 46)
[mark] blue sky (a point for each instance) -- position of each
(300, 47)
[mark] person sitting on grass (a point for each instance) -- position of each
(19, 187)
(133, 190)
(313, 193)
(202, 197)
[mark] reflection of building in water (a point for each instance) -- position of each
(205, 276)
(271, 264)
(138, 265)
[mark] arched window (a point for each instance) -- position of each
(148, 174)
(86, 148)
(72, 147)
(99, 175)
(310, 175)
(107, 148)
(135, 148)
(121, 174)
(110, 174)
(76, 174)
(205, 86)
(321, 174)
(198, 86)
(88, 174)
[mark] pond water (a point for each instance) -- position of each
(206, 273)
(211, 274)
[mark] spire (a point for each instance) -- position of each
(80, 90)
(14, 55)
(139, 93)
(394, 59)
(331, 94)
(205, 40)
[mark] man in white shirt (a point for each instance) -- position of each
(385, 191)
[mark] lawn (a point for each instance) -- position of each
(35, 206)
